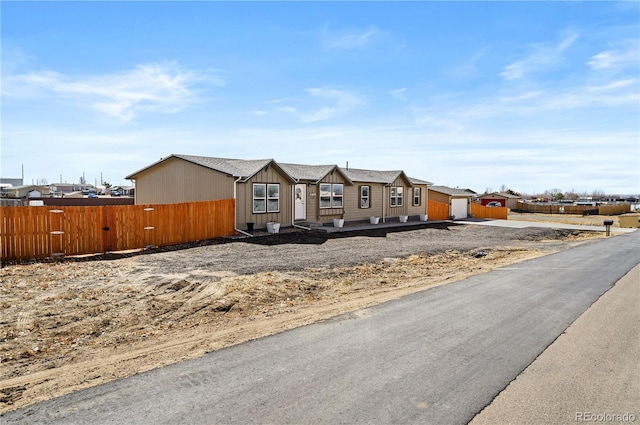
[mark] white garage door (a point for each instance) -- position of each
(459, 208)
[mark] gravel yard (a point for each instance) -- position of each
(77, 323)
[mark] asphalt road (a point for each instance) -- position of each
(435, 357)
(591, 373)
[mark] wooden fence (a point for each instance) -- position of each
(438, 210)
(41, 232)
(481, 211)
(574, 209)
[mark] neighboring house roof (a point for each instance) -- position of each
(11, 181)
(16, 191)
(452, 191)
(374, 176)
(30, 187)
(239, 168)
(314, 173)
(501, 195)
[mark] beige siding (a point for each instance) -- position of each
(245, 200)
(439, 197)
(422, 207)
(314, 212)
(176, 181)
(353, 212)
(401, 210)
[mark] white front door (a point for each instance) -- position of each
(301, 202)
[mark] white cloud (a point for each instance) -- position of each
(614, 85)
(470, 69)
(439, 124)
(543, 57)
(342, 102)
(627, 55)
(350, 39)
(163, 88)
(399, 93)
(521, 97)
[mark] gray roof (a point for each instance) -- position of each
(452, 191)
(418, 181)
(247, 168)
(501, 194)
(308, 172)
(239, 168)
(234, 167)
(372, 176)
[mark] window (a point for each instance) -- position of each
(416, 196)
(331, 195)
(266, 198)
(396, 196)
(365, 197)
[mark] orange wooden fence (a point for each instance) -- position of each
(480, 211)
(40, 232)
(438, 210)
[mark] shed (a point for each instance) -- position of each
(457, 199)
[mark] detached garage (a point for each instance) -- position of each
(457, 199)
(505, 199)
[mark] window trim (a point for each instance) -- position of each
(367, 197)
(417, 196)
(396, 195)
(266, 198)
(332, 197)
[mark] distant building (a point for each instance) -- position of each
(11, 181)
(64, 188)
(26, 192)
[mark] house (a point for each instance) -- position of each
(262, 189)
(457, 199)
(26, 191)
(319, 192)
(384, 194)
(66, 188)
(505, 199)
(268, 191)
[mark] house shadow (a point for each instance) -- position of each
(318, 237)
(289, 236)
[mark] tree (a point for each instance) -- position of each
(552, 193)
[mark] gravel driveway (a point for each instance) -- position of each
(300, 250)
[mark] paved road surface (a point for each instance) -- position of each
(591, 373)
(435, 357)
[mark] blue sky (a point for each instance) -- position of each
(527, 95)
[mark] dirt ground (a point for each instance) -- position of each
(77, 323)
